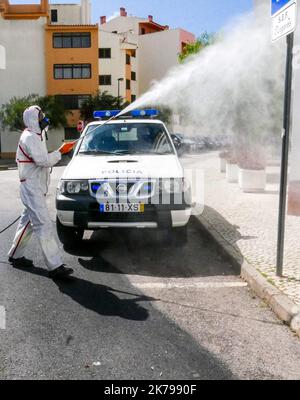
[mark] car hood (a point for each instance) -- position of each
(99, 167)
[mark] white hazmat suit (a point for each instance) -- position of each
(34, 165)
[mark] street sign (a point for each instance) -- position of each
(284, 18)
(278, 5)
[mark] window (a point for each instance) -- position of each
(133, 76)
(133, 53)
(71, 40)
(143, 31)
(104, 53)
(128, 59)
(73, 102)
(131, 138)
(133, 98)
(128, 84)
(54, 16)
(72, 71)
(105, 80)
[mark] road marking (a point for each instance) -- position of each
(190, 285)
(2, 318)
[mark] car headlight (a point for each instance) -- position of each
(73, 187)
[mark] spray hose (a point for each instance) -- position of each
(81, 138)
(5, 229)
(97, 127)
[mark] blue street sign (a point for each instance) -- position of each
(277, 5)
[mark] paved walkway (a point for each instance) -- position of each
(249, 222)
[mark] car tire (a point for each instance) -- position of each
(68, 236)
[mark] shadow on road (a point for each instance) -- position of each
(141, 252)
(99, 298)
(102, 300)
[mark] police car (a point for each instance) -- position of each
(125, 173)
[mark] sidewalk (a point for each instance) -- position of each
(249, 222)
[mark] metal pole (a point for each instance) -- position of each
(285, 153)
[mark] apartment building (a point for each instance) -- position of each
(71, 58)
(133, 52)
(23, 72)
(22, 37)
(53, 49)
(48, 50)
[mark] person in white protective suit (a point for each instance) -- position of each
(34, 165)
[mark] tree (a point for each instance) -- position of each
(206, 39)
(11, 113)
(101, 101)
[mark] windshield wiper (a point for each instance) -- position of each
(96, 152)
(120, 152)
(157, 153)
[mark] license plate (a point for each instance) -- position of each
(122, 208)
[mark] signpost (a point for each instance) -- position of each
(284, 21)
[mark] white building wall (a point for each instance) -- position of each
(114, 66)
(10, 140)
(73, 14)
(67, 14)
(25, 73)
(123, 24)
(157, 54)
(134, 68)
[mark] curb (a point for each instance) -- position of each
(279, 302)
(7, 167)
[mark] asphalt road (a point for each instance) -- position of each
(135, 309)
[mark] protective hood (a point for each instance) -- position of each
(31, 119)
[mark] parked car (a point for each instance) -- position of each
(184, 144)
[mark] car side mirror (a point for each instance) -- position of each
(176, 142)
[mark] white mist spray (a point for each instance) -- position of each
(232, 86)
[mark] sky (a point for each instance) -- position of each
(196, 16)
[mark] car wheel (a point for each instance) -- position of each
(68, 236)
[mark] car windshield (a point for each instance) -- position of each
(127, 138)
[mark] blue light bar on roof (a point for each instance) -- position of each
(145, 113)
(106, 114)
(134, 113)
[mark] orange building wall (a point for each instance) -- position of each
(72, 56)
(24, 11)
(128, 76)
(151, 27)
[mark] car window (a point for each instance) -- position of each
(129, 138)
